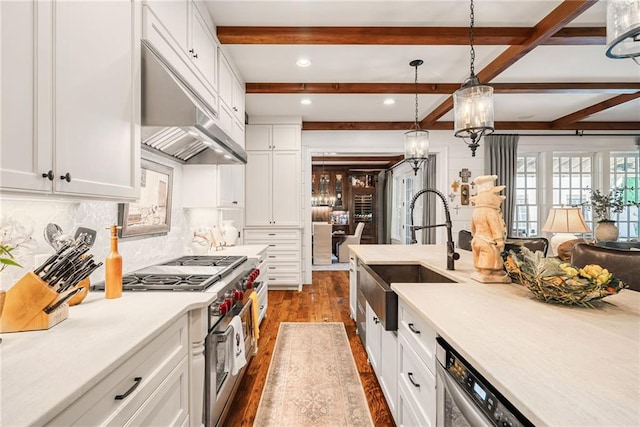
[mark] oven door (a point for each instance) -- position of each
(220, 384)
(454, 407)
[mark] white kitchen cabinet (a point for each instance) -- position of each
(232, 93)
(284, 255)
(416, 367)
(272, 137)
(71, 98)
(382, 351)
(178, 32)
(231, 186)
(272, 188)
(211, 186)
(373, 339)
(353, 284)
(155, 379)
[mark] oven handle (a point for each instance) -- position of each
(465, 404)
(222, 327)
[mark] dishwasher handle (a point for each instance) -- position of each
(465, 404)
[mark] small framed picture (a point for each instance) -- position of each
(152, 213)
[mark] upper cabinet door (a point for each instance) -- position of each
(258, 137)
(204, 54)
(225, 80)
(286, 137)
(97, 97)
(174, 16)
(25, 125)
(238, 100)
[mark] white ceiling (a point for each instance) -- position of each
(390, 63)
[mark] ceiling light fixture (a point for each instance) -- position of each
(303, 62)
(416, 141)
(389, 101)
(305, 101)
(473, 104)
(623, 29)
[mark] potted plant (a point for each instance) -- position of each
(604, 205)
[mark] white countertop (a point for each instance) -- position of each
(558, 365)
(43, 372)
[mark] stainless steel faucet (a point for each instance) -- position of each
(452, 255)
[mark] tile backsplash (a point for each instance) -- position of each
(33, 214)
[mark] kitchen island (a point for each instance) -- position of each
(558, 365)
(42, 373)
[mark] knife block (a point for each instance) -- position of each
(22, 308)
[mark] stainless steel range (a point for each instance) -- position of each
(188, 273)
(233, 279)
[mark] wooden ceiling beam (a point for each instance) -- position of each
(502, 126)
(596, 108)
(404, 35)
(564, 13)
(437, 88)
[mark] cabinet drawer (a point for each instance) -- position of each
(409, 415)
(283, 267)
(169, 404)
(418, 381)
(419, 334)
(265, 235)
(283, 279)
(283, 256)
(152, 364)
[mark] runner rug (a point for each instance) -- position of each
(313, 379)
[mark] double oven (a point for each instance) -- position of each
(233, 279)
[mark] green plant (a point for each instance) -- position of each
(604, 205)
(6, 257)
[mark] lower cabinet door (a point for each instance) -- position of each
(408, 415)
(169, 404)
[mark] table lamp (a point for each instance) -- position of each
(564, 222)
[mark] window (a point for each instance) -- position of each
(624, 170)
(525, 221)
(571, 180)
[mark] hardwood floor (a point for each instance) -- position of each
(326, 300)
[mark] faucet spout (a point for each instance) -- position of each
(452, 255)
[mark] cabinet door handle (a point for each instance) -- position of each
(131, 389)
(191, 51)
(410, 375)
(195, 55)
(376, 320)
(66, 177)
(414, 330)
(261, 307)
(235, 109)
(48, 175)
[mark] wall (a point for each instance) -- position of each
(35, 213)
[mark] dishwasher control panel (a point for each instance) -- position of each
(484, 395)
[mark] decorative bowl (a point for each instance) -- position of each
(556, 282)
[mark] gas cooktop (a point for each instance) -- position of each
(188, 273)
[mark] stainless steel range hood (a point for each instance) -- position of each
(177, 122)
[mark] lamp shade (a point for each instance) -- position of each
(565, 220)
(416, 145)
(623, 28)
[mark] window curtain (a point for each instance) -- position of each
(501, 158)
(430, 202)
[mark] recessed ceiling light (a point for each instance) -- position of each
(389, 101)
(305, 101)
(303, 62)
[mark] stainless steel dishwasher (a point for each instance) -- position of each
(464, 398)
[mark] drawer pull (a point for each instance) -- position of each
(272, 256)
(261, 307)
(272, 268)
(414, 330)
(272, 234)
(415, 384)
(131, 389)
(273, 246)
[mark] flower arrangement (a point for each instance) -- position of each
(553, 281)
(603, 205)
(13, 236)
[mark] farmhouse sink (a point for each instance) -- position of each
(374, 282)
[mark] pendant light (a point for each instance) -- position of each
(416, 141)
(473, 105)
(623, 29)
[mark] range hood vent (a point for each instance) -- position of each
(177, 122)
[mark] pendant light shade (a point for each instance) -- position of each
(416, 141)
(623, 29)
(473, 105)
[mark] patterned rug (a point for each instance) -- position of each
(313, 379)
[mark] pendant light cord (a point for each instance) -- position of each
(473, 52)
(416, 84)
